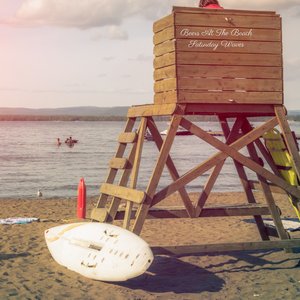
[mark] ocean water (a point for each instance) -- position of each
(30, 160)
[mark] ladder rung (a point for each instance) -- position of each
(123, 192)
(119, 163)
(127, 137)
(99, 214)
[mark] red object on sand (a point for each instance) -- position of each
(81, 199)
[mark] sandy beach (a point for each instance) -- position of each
(29, 272)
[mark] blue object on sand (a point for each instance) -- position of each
(11, 221)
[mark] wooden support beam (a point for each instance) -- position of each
(135, 169)
(208, 188)
(172, 212)
(153, 110)
(230, 136)
(240, 121)
(233, 153)
(224, 247)
(156, 174)
(282, 233)
(171, 167)
(255, 185)
(123, 192)
(212, 161)
(231, 110)
(288, 137)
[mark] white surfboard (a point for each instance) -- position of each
(99, 251)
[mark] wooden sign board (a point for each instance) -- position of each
(218, 56)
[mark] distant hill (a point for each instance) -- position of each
(294, 112)
(118, 111)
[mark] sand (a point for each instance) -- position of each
(27, 270)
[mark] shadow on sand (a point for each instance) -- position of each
(169, 274)
(4, 256)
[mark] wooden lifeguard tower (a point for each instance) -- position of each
(226, 63)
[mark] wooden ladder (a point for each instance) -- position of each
(129, 166)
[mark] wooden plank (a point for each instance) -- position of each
(164, 73)
(127, 137)
(230, 110)
(230, 97)
(123, 193)
(156, 174)
(119, 163)
(218, 84)
(250, 72)
(165, 98)
(164, 60)
(224, 71)
(227, 33)
(255, 185)
(218, 59)
(171, 167)
(165, 35)
(224, 247)
(217, 97)
(163, 23)
(219, 46)
(152, 110)
(164, 48)
(165, 85)
(224, 20)
(207, 212)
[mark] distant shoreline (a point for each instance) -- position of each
(73, 118)
(60, 118)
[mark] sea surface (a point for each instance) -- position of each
(30, 159)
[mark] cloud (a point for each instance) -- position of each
(98, 13)
(109, 58)
(141, 57)
(110, 32)
(292, 69)
(89, 13)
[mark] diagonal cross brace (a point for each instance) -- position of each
(226, 151)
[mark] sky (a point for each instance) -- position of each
(60, 53)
